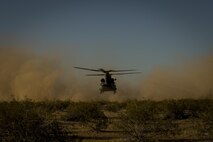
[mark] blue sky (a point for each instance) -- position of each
(123, 34)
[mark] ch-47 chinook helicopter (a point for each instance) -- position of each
(108, 83)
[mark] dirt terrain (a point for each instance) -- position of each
(168, 120)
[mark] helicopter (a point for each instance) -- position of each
(108, 83)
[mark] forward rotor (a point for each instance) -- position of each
(114, 72)
(103, 70)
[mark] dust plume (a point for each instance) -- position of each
(26, 75)
(192, 80)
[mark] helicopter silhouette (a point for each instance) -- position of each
(108, 83)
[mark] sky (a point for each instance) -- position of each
(118, 34)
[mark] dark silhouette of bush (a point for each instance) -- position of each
(23, 121)
(187, 108)
(133, 120)
(30, 121)
(115, 106)
(55, 105)
(142, 118)
(205, 128)
(87, 113)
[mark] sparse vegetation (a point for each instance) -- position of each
(138, 120)
(24, 121)
(141, 119)
(87, 113)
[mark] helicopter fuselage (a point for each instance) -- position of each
(108, 84)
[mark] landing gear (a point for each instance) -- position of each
(105, 88)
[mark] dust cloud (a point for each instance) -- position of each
(24, 74)
(191, 80)
(27, 75)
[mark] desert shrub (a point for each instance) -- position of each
(115, 106)
(23, 122)
(188, 108)
(134, 121)
(87, 113)
(205, 109)
(176, 109)
(142, 118)
(54, 105)
(205, 127)
(182, 109)
(142, 110)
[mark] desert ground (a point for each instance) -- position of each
(104, 121)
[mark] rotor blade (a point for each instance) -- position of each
(88, 69)
(95, 74)
(104, 71)
(125, 73)
(120, 70)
